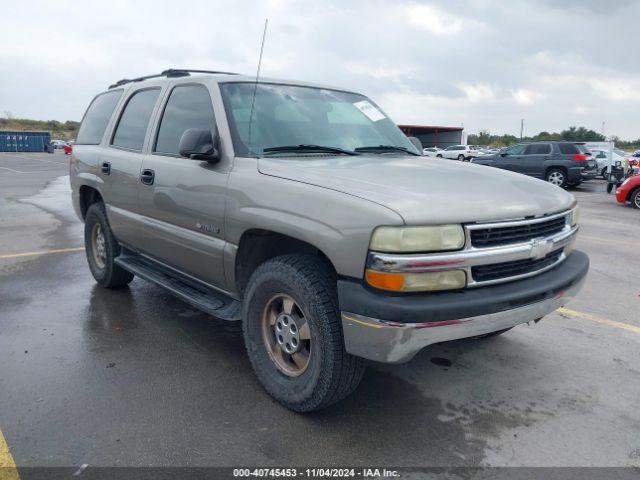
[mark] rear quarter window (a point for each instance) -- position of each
(568, 148)
(97, 118)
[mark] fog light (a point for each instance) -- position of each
(417, 282)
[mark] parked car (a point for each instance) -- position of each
(58, 144)
(559, 163)
(432, 152)
(459, 152)
(601, 157)
(629, 191)
(332, 241)
(68, 148)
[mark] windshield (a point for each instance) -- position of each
(287, 115)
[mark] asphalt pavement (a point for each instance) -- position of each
(135, 377)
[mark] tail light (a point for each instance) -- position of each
(581, 157)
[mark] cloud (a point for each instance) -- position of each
(434, 62)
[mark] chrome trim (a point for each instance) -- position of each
(394, 342)
(471, 256)
(516, 223)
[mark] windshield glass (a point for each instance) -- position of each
(287, 115)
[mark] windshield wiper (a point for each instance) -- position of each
(308, 148)
(385, 148)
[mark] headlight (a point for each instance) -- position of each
(575, 216)
(417, 239)
(417, 282)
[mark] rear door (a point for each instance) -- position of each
(121, 163)
(183, 207)
(534, 158)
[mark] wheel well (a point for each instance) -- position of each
(257, 246)
(632, 193)
(88, 195)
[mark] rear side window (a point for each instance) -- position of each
(568, 148)
(188, 107)
(97, 117)
(134, 120)
(538, 149)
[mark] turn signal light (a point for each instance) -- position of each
(417, 282)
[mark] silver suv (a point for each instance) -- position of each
(305, 213)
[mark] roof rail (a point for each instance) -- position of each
(169, 73)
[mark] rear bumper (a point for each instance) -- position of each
(394, 328)
(578, 174)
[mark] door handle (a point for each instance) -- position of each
(106, 168)
(147, 176)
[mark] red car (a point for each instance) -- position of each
(68, 148)
(629, 191)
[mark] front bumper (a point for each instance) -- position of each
(393, 328)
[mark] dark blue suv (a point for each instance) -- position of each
(560, 163)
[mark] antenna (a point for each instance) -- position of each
(255, 85)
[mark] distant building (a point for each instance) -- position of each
(432, 136)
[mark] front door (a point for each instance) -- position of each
(511, 158)
(183, 200)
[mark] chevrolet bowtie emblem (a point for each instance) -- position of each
(540, 248)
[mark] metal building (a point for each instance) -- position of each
(432, 136)
(24, 141)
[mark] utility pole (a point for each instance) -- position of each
(521, 128)
(603, 130)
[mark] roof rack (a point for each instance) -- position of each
(169, 73)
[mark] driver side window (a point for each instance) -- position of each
(515, 150)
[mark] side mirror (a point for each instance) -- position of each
(198, 144)
(416, 143)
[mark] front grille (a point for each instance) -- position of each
(495, 236)
(485, 273)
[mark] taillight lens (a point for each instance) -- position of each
(581, 157)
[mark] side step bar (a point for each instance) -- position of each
(200, 296)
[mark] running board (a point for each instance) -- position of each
(202, 297)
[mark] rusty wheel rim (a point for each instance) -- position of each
(286, 335)
(98, 246)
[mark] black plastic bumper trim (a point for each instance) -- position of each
(354, 297)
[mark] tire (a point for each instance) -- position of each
(308, 286)
(556, 176)
(634, 198)
(494, 334)
(102, 253)
(439, 156)
(604, 173)
(461, 158)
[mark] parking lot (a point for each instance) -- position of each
(137, 378)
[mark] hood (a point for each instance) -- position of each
(424, 190)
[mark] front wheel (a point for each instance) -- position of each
(555, 176)
(635, 198)
(461, 158)
(293, 334)
(102, 248)
(604, 173)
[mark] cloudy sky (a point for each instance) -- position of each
(480, 63)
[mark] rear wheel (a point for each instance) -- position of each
(556, 176)
(102, 248)
(635, 198)
(293, 334)
(439, 156)
(461, 158)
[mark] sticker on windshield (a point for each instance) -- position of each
(369, 110)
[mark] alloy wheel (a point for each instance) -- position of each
(286, 335)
